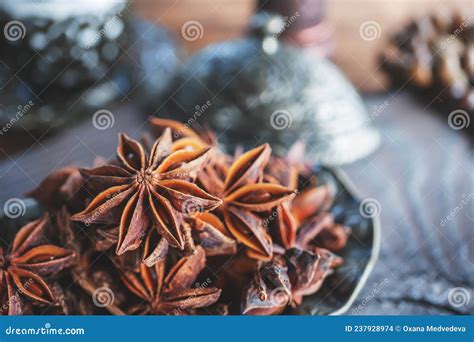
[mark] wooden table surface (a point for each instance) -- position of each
(422, 175)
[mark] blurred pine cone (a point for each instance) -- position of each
(435, 55)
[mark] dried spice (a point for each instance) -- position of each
(436, 56)
(26, 267)
(169, 291)
(304, 229)
(176, 226)
(147, 190)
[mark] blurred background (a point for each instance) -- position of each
(380, 89)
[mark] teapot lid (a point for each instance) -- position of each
(258, 89)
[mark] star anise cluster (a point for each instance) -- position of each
(174, 225)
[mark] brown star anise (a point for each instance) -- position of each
(169, 291)
(183, 136)
(25, 268)
(301, 263)
(211, 234)
(148, 190)
(244, 195)
(169, 212)
(62, 187)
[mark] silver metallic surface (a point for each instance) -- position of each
(258, 89)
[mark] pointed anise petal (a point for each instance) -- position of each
(210, 181)
(160, 149)
(14, 304)
(165, 220)
(254, 254)
(44, 259)
(310, 230)
(156, 248)
(184, 164)
(107, 237)
(247, 168)
(188, 144)
(185, 271)
(130, 153)
(178, 129)
(31, 285)
(311, 202)
(30, 235)
(187, 197)
(286, 226)
(208, 234)
(133, 282)
(190, 298)
(214, 221)
(100, 209)
(248, 229)
(280, 172)
(259, 197)
(133, 224)
(108, 175)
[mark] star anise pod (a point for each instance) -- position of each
(163, 291)
(63, 187)
(307, 270)
(148, 190)
(302, 229)
(244, 195)
(183, 136)
(270, 290)
(211, 234)
(26, 267)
